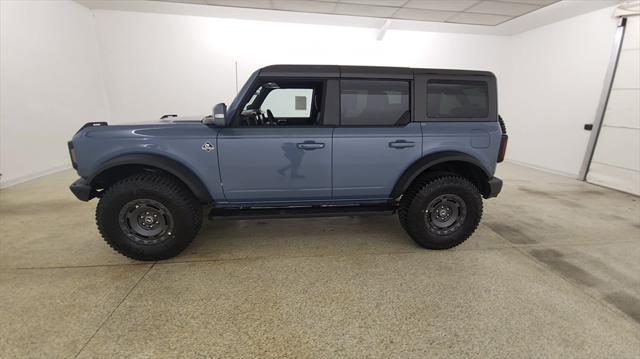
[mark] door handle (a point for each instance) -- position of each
(310, 145)
(401, 144)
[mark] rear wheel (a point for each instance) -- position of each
(412, 191)
(148, 216)
(442, 212)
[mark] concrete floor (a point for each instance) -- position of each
(553, 271)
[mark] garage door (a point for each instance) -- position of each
(616, 159)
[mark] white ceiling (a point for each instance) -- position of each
(452, 20)
(474, 12)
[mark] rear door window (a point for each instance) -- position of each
(374, 103)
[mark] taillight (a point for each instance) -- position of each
(72, 154)
(503, 148)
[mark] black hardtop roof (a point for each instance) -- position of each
(360, 71)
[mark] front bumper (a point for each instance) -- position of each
(82, 189)
(495, 186)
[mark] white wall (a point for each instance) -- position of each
(51, 84)
(158, 63)
(56, 76)
(553, 83)
(550, 79)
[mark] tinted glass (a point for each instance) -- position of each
(447, 99)
(374, 103)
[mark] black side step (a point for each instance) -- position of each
(300, 212)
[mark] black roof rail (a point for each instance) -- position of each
(361, 71)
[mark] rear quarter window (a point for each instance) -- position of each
(457, 99)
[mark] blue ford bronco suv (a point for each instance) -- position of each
(302, 140)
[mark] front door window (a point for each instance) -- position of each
(284, 103)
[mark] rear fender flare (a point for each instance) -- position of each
(424, 163)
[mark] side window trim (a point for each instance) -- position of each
(331, 104)
(410, 98)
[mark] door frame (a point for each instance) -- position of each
(604, 99)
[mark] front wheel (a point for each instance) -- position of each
(148, 216)
(443, 213)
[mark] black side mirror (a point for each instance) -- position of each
(218, 117)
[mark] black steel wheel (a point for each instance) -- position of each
(146, 221)
(148, 216)
(443, 212)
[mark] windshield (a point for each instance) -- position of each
(243, 90)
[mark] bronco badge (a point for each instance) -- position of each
(208, 147)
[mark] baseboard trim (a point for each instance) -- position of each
(32, 176)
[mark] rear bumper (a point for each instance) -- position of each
(82, 189)
(495, 186)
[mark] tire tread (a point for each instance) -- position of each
(426, 188)
(171, 188)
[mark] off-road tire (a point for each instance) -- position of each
(178, 202)
(416, 221)
(410, 194)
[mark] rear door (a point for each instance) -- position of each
(376, 140)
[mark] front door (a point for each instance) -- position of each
(278, 151)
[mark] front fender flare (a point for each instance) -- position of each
(180, 171)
